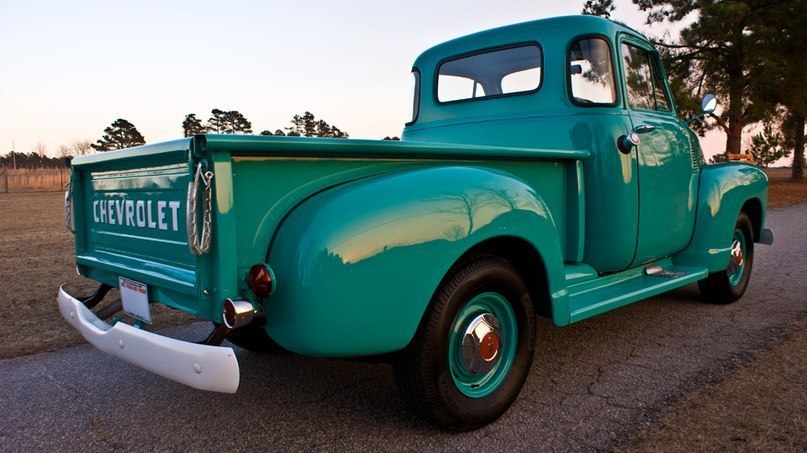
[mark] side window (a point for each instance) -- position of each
(643, 80)
(493, 73)
(591, 73)
(415, 96)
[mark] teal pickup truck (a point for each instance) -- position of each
(544, 172)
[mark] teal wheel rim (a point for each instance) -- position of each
(483, 343)
(737, 259)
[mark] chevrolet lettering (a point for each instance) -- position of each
(163, 215)
(544, 171)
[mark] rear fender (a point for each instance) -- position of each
(357, 265)
(724, 190)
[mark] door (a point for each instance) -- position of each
(611, 188)
(667, 172)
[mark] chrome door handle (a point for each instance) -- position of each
(644, 128)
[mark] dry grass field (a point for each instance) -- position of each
(782, 190)
(36, 256)
(39, 180)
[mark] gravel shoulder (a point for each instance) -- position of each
(761, 406)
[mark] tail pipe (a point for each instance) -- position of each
(237, 313)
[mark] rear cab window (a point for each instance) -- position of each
(492, 73)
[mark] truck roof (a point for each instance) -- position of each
(564, 27)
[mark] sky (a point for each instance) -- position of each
(70, 68)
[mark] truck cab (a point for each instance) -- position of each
(544, 172)
(538, 85)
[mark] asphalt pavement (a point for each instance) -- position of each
(592, 385)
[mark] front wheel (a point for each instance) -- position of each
(728, 285)
(473, 349)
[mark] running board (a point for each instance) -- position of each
(609, 292)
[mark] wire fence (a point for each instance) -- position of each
(33, 180)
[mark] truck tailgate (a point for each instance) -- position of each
(130, 218)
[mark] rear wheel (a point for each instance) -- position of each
(730, 284)
(473, 349)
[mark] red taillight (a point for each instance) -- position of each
(260, 280)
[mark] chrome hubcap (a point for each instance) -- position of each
(481, 344)
(736, 260)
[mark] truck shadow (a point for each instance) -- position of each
(341, 396)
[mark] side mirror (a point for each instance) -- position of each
(709, 103)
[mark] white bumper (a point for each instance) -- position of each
(200, 366)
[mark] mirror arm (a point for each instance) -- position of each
(698, 116)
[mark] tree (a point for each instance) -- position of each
(720, 51)
(192, 125)
(785, 35)
(280, 133)
(304, 125)
(121, 134)
(391, 138)
(307, 125)
(326, 130)
(237, 123)
(601, 8)
(266, 132)
(80, 147)
(40, 149)
(216, 121)
(231, 122)
(768, 146)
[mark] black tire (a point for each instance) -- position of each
(253, 337)
(426, 371)
(728, 285)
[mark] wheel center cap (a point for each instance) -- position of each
(481, 343)
(737, 252)
(489, 347)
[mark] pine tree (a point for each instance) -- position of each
(228, 122)
(216, 123)
(307, 125)
(768, 146)
(121, 134)
(237, 123)
(601, 8)
(192, 125)
(720, 52)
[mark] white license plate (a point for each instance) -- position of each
(135, 297)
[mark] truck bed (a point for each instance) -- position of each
(131, 213)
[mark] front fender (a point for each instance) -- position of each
(724, 190)
(357, 265)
